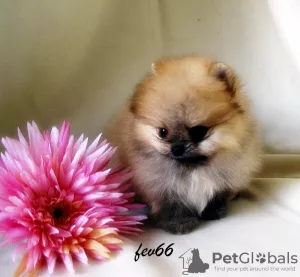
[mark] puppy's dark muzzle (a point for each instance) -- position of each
(178, 149)
(192, 159)
(181, 154)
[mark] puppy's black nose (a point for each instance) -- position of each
(178, 149)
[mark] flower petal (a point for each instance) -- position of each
(81, 256)
(51, 261)
(67, 260)
(93, 145)
(101, 232)
(97, 247)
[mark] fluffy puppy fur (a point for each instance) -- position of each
(189, 139)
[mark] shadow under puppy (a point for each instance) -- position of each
(189, 139)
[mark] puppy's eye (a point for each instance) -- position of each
(198, 133)
(162, 132)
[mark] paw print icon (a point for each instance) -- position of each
(261, 258)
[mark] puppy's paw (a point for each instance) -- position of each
(179, 226)
(216, 209)
(176, 218)
(214, 214)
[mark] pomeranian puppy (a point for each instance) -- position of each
(189, 138)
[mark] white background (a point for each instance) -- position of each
(78, 61)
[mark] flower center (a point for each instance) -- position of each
(60, 212)
(57, 213)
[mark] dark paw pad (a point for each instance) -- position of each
(210, 214)
(216, 209)
(180, 225)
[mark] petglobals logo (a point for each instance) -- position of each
(192, 263)
(252, 258)
(250, 261)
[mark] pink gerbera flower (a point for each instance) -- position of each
(59, 201)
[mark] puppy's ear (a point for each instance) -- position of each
(153, 69)
(224, 73)
(158, 67)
